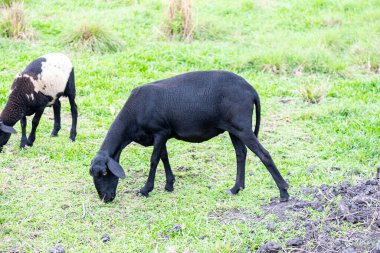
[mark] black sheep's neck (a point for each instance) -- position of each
(118, 136)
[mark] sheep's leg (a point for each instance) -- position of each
(35, 122)
(74, 115)
(250, 140)
(168, 171)
(159, 144)
(23, 132)
(57, 118)
(241, 154)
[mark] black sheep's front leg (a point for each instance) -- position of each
(159, 144)
(168, 171)
(35, 122)
(23, 132)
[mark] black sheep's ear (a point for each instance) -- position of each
(115, 168)
(7, 129)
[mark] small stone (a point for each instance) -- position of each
(64, 207)
(294, 242)
(335, 168)
(176, 228)
(57, 249)
(106, 238)
(269, 247)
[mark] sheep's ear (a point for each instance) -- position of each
(7, 129)
(115, 168)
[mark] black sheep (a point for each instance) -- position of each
(41, 84)
(193, 107)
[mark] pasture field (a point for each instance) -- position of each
(285, 49)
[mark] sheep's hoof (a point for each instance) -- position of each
(234, 190)
(229, 192)
(53, 135)
(284, 195)
(169, 188)
(144, 194)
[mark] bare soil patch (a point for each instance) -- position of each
(355, 206)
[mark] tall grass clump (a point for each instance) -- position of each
(179, 20)
(313, 94)
(93, 37)
(13, 23)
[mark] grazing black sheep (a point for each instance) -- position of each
(41, 84)
(193, 107)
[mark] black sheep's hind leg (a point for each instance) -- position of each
(250, 140)
(74, 115)
(241, 154)
(168, 171)
(57, 118)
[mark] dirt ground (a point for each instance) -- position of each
(356, 206)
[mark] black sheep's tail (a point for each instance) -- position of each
(258, 114)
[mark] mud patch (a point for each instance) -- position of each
(355, 206)
(340, 218)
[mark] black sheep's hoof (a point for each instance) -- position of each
(169, 188)
(234, 190)
(284, 195)
(145, 191)
(53, 135)
(144, 194)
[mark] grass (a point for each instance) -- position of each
(179, 21)
(14, 24)
(46, 194)
(313, 93)
(93, 37)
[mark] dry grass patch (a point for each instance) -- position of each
(179, 20)
(13, 23)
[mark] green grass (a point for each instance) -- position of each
(92, 37)
(46, 193)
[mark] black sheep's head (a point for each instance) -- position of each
(5, 134)
(106, 173)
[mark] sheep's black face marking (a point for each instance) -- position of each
(105, 181)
